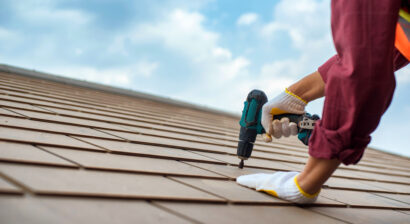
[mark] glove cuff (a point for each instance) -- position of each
(296, 96)
(290, 103)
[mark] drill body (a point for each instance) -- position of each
(251, 124)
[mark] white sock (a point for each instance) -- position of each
(283, 185)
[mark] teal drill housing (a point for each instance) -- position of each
(251, 116)
(250, 123)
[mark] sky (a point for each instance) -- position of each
(206, 52)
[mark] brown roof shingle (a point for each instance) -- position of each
(76, 152)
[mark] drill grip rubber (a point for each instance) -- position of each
(296, 118)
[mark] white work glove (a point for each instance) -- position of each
(282, 185)
(286, 102)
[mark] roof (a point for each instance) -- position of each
(77, 152)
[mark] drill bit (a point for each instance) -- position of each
(241, 164)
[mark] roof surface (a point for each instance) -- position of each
(71, 154)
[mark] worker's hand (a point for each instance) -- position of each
(286, 102)
(282, 185)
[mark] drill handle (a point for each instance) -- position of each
(296, 118)
(305, 123)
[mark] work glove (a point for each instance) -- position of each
(286, 102)
(283, 185)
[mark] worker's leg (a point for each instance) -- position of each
(315, 174)
(359, 81)
(317, 171)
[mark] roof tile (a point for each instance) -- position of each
(44, 138)
(80, 152)
(53, 127)
(8, 188)
(362, 199)
(25, 153)
(147, 150)
(69, 182)
(207, 213)
(16, 210)
(364, 216)
(114, 162)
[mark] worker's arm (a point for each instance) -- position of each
(310, 87)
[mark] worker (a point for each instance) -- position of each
(358, 85)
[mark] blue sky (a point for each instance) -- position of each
(206, 52)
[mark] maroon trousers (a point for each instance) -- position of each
(359, 79)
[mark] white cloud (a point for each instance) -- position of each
(221, 53)
(268, 30)
(145, 68)
(116, 76)
(247, 19)
(181, 31)
(232, 68)
(184, 33)
(304, 22)
(213, 70)
(215, 73)
(221, 75)
(282, 68)
(307, 25)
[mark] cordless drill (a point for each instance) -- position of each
(251, 124)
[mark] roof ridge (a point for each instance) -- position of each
(110, 89)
